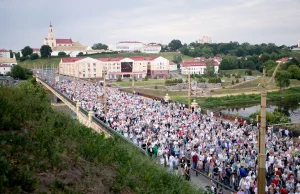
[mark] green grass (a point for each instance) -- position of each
(55, 61)
(44, 151)
(241, 72)
(160, 92)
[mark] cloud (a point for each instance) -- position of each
(256, 21)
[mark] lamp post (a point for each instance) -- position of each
(167, 98)
(74, 82)
(132, 85)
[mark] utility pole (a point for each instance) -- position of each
(262, 134)
(189, 82)
(132, 84)
(262, 139)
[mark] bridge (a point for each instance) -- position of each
(87, 118)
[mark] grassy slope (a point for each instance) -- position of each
(55, 61)
(46, 151)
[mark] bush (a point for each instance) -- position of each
(232, 82)
(146, 78)
(155, 87)
(248, 72)
(62, 54)
(23, 59)
(81, 54)
(237, 81)
(244, 79)
(34, 56)
(119, 79)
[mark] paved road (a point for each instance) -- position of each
(175, 74)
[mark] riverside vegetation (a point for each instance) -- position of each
(44, 151)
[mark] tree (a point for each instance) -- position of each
(175, 44)
(62, 54)
(210, 69)
(80, 54)
(282, 79)
(17, 72)
(184, 50)
(294, 70)
(177, 59)
(26, 51)
(17, 55)
(11, 54)
(99, 46)
(34, 56)
(45, 51)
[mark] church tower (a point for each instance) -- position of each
(51, 37)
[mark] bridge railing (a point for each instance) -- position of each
(108, 129)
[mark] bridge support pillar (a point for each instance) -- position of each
(55, 99)
(91, 114)
(77, 109)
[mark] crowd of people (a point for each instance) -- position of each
(181, 139)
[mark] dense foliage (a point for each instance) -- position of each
(274, 117)
(18, 72)
(175, 81)
(44, 151)
(26, 51)
(99, 46)
(45, 51)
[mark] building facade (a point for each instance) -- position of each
(204, 39)
(173, 66)
(4, 53)
(66, 45)
(198, 66)
(120, 67)
(4, 69)
(135, 46)
(8, 61)
(299, 44)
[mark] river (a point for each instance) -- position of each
(290, 107)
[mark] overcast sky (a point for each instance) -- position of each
(26, 22)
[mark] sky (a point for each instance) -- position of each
(26, 22)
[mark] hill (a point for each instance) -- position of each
(55, 60)
(44, 151)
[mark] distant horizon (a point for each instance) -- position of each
(255, 22)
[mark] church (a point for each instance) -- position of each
(65, 45)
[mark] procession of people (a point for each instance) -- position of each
(183, 140)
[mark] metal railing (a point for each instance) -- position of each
(217, 183)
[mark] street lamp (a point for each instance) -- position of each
(194, 104)
(167, 98)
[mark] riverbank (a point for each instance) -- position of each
(230, 101)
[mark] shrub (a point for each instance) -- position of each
(237, 81)
(62, 54)
(146, 78)
(155, 87)
(232, 82)
(34, 56)
(81, 54)
(23, 59)
(248, 72)
(119, 79)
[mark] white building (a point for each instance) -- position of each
(299, 44)
(137, 66)
(8, 61)
(135, 46)
(64, 45)
(196, 66)
(4, 53)
(4, 69)
(173, 66)
(204, 39)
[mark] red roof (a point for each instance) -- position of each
(4, 65)
(36, 49)
(68, 60)
(110, 59)
(142, 58)
(3, 50)
(172, 63)
(283, 60)
(193, 63)
(64, 41)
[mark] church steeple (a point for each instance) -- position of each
(51, 37)
(50, 25)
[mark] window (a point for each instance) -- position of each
(88, 65)
(94, 64)
(89, 69)
(94, 69)
(83, 75)
(94, 75)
